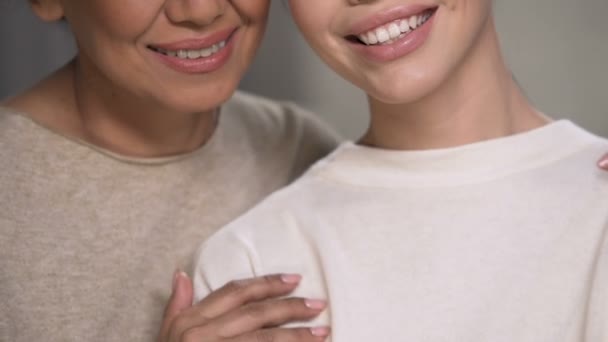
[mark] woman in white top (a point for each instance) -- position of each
(463, 213)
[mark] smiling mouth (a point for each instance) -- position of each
(393, 31)
(193, 53)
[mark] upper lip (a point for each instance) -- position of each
(197, 43)
(387, 16)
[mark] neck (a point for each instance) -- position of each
(126, 124)
(479, 101)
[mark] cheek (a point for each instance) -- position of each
(313, 17)
(254, 11)
(123, 20)
(254, 14)
(467, 18)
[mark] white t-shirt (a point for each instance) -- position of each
(502, 240)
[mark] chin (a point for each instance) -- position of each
(402, 91)
(198, 100)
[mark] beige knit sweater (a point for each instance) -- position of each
(89, 239)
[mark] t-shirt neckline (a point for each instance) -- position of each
(472, 163)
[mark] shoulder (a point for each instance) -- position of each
(280, 129)
(585, 159)
(273, 215)
(16, 129)
(260, 241)
(272, 111)
(277, 117)
(276, 218)
(572, 155)
(233, 251)
(10, 118)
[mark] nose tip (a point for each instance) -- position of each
(359, 2)
(198, 12)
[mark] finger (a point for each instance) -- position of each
(603, 163)
(315, 334)
(270, 313)
(233, 296)
(286, 335)
(240, 292)
(180, 300)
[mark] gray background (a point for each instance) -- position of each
(558, 50)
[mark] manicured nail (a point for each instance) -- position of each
(320, 331)
(291, 278)
(178, 274)
(315, 304)
(603, 163)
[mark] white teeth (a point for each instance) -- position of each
(194, 54)
(404, 26)
(395, 30)
(382, 35)
(371, 38)
(413, 22)
(208, 51)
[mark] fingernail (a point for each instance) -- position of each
(178, 274)
(603, 163)
(315, 304)
(320, 331)
(291, 278)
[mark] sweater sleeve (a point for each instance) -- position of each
(597, 325)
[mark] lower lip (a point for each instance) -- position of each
(201, 65)
(400, 48)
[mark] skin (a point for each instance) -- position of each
(455, 89)
(116, 95)
(249, 303)
(603, 163)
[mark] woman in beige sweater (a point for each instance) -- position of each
(127, 157)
